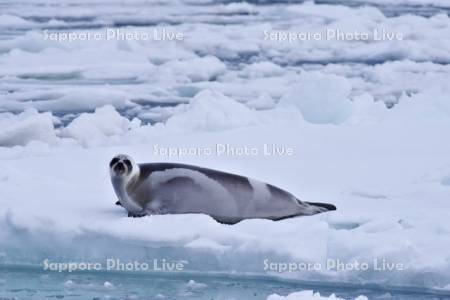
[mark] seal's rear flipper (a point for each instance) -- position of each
(327, 206)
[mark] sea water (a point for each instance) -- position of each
(19, 282)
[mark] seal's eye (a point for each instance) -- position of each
(114, 161)
(127, 162)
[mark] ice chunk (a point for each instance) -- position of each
(304, 295)
(69, 284)
(103, 126)
(424, 3)
(322, 99)
(366, 110)
(26, 127)
(263, 69)
(31, 42)
(207, 244)
(196, 69)
(193, 285)
(212, 111)
(238, 8)
(309, 295)
(10, 21)
(264, 101)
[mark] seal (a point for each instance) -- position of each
(171, 188)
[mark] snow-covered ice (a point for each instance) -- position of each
(367, 122)
(387, 187)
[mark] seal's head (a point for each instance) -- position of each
(124, 174)
(123, 166)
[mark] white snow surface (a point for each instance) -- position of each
(67, 108)
(388, 187)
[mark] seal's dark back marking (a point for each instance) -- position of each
(220, 177)
(279, 193)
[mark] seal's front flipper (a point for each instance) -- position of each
(118, 203)
(137, 215)
(226, 220)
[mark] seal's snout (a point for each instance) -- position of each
(121, 164)
(119, 168)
